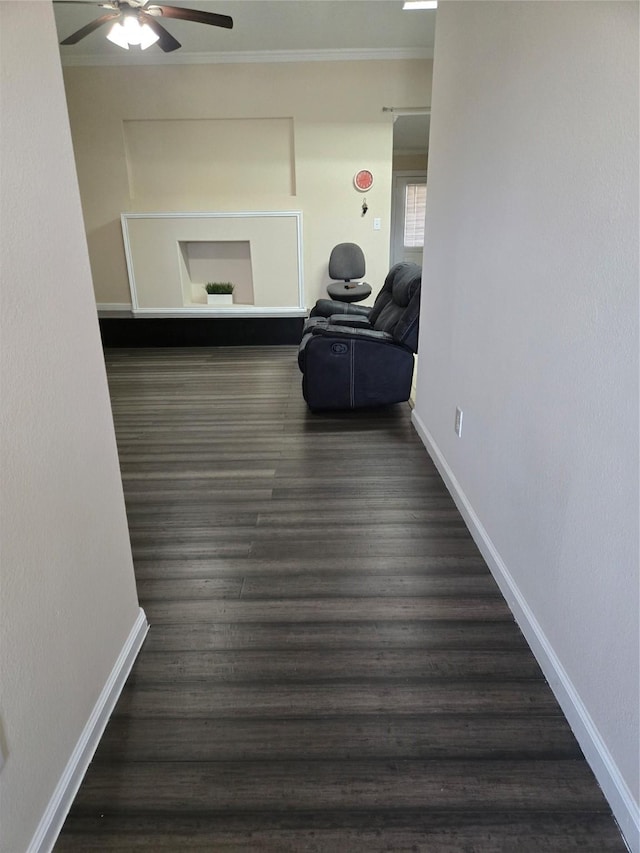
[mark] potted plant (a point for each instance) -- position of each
(219, 292)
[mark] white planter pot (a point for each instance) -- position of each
(219, 298)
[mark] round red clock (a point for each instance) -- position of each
(363, 180)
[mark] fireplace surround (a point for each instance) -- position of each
(171, 256)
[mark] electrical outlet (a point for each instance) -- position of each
(458, 425)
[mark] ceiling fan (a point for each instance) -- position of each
(136, 22)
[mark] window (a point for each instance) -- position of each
(414, 211)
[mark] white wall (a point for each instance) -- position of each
(68, 601)
(530, 324)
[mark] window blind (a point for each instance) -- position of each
(414, 213)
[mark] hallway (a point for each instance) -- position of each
(330, 665)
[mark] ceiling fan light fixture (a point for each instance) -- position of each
(118, 35)
(131, 31)
(135, 22)
(147, 37)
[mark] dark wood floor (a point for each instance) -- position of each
(330, 665)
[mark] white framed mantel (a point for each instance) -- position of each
(154, 249)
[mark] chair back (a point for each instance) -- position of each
(397, 306)
(346, 262)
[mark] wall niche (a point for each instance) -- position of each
(216, 260)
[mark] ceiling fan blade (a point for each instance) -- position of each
(194, 15)
(74, 38)
(166, 41)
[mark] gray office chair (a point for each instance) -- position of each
(346, 266)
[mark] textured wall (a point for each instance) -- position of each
(530, 320)
(68, 599)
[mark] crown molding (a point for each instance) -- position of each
(249, 56)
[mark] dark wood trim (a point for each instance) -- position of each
(200, 332)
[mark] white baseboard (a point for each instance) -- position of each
(614, 787)
(67, 788)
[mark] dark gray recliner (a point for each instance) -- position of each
(364, 357)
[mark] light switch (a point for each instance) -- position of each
(377, 222)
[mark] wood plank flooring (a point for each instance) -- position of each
(330, 665)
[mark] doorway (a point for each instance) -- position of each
(410, 154)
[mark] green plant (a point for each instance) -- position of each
(218, 287)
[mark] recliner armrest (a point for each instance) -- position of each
(328, 307)
(331, 331)
(356, 321)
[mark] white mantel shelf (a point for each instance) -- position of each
(208, 311)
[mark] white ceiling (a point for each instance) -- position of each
(271, 30)
(264, 25)
(411, 133)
